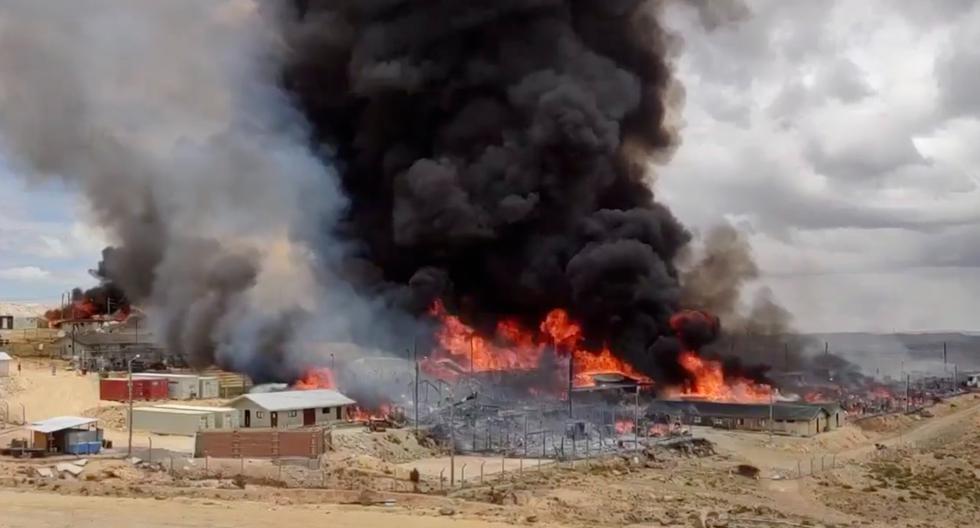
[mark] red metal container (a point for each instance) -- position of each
(117, 389)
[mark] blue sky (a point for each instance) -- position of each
(45, 247)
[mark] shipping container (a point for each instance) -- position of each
(180, 386)
(144, 389)
(183, 419)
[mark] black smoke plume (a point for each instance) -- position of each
(500, 150)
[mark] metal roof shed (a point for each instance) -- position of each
(67, 434)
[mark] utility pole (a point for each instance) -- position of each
(772, 412)
(129, 384)
(908, 392)
(636, 418)
(415, 351)
(944, 355)
(571, 376)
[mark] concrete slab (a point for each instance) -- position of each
(70, 468)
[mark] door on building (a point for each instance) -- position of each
(248, 418)
(309, 416)
(274, 419)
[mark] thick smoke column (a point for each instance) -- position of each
(166, 115)
(499, 150)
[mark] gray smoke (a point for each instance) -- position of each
(167, 117)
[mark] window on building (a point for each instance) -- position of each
(741, 421)
(325, 410)
(259, 414)
(292, 414)
(697, 419)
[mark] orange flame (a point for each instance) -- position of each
(624, 426)
(357, 414)
(709, 382)
(316, 378)
(513, 347)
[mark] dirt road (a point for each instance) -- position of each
(48, 510)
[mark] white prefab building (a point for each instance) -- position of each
(188, 386)
(287, 409)
(5, 362)
(183, 419)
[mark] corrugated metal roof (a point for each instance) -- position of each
(195, 408)
(59, 423)
(164, 410)
(296, 399)
(5, 357)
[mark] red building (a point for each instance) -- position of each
(117, 389)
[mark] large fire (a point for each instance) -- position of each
(708, 382)
(316, 378)
(706, 377)
(516, 348)
(462, 351)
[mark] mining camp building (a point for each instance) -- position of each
(793, 419)
(287, 409)
(187, 386)
(185, 420)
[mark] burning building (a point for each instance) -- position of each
(466, 183)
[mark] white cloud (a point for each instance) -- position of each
(24, 273)
(841, 136)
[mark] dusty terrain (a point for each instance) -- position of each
(904, 471)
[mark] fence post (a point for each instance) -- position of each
(172, 466)
(442, 478)
(503, 466)
(462, 476)
(206, 464)
(483, 463)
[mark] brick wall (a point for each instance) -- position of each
(261, 443)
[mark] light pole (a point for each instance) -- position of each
(452, 438)
(772, 398)
(129, 369)
(415, 359)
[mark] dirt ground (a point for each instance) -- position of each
(37, 393)
(897, 472)
(44, 510)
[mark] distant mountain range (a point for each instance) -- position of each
(891, 354)
(24, 309)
